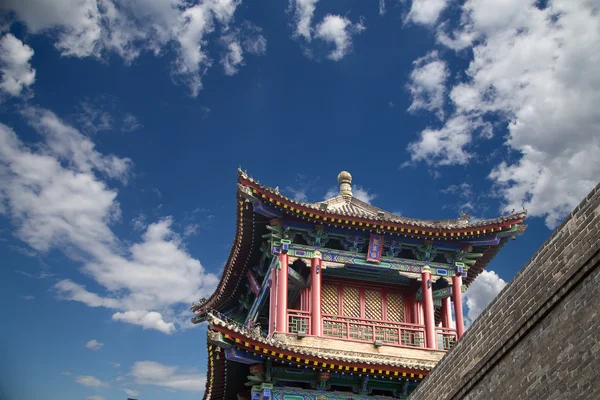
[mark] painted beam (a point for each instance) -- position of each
(440, 293)
(389, 263)
(260, 299)
(295, 279)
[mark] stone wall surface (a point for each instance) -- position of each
(540, 338)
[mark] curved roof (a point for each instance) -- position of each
(347, 206)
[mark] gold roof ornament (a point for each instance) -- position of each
(345, 181)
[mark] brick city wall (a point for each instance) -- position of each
(540, 338)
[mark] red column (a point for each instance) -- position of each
(446, 313)
(458, 311)
(282, 294)
(272, 301)
(315, 293)
(428, 313)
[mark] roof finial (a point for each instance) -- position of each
(345, 181)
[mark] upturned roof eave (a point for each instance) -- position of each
(358, 210)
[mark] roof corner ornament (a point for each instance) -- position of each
(345, 181)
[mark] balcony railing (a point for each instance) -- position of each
(364, 330)
(446, 337)
(368, 331)
(299, 321)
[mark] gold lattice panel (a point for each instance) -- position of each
(373, 304)
(329, 299)
(351, 302)
(395, 307)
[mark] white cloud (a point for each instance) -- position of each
(130, 392)
(357, 191)
(115, 365)
(234, 56)
(65, 373)
(130, 123)
(153, 373)
(139, 223)
(17, 73)
(444, 146)
(55, 200)
(67, 144)
(97, 28)
(428, 84)
(95, 398)
(90, 381)
(190, 230)
(381, 7)
(303, 14)
(298, 194)
(363, 194)
(426, 12)
(28, 297)
(481, 292)
(94, 345)
(93, 119)
(146, 319)
(338, 30)
(533, 70)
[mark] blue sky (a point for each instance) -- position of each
(122, 124)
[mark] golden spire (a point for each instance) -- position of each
(345, 181)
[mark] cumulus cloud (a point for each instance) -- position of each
(15, 68)
(338, 31)
(481, 292)
(532, 70)
(57, 198)
(146, 319)
(172, 377)
(333, 29)
(303, 14)
(427, 84)
(426, 12)
(98, 28)
(233, 58)
(90, 381)
(94, 345)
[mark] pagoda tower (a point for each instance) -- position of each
(338, 299)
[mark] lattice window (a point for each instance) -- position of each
(329, 299)
(395, 307)
(373, 304)
(351, 302)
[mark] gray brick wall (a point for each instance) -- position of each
(540, 338)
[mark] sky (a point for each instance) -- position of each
(123, 123)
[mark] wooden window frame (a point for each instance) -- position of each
(361, 289)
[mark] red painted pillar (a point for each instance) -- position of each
(428, 312)
(281, 324)
(446, 313)
(315, 293)
(458, 311)
(272, 301)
